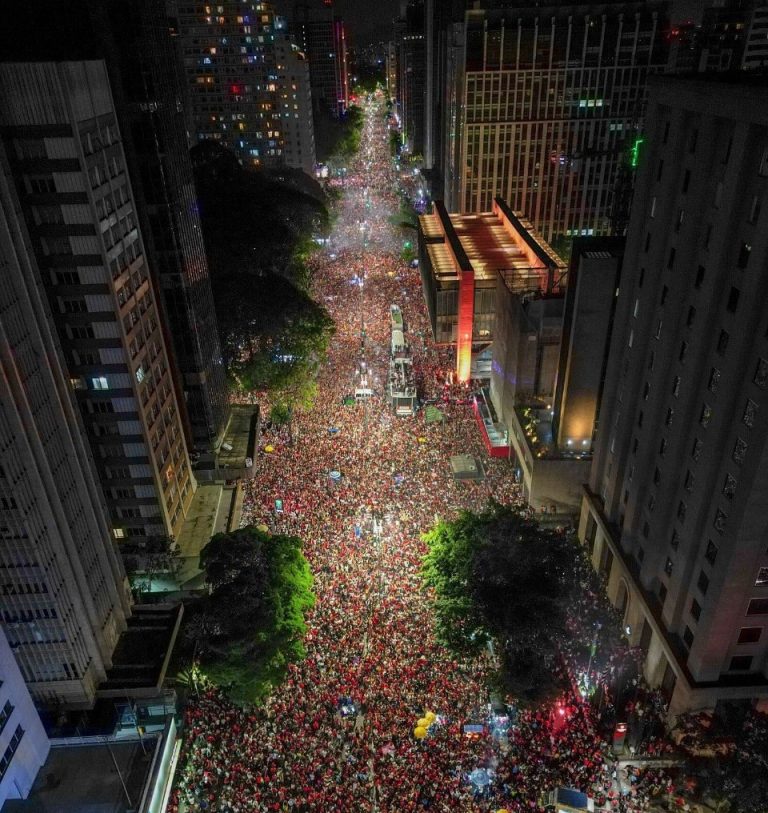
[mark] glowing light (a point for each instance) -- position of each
(465, 326)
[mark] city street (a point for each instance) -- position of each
(338, 735)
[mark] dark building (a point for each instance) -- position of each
(65, 596)
(724, 35)
(227, 51)
(674, 512)
(134, 38)
(412, 64)
(321, 36)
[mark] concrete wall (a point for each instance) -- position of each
(557, 483)
(591, 295)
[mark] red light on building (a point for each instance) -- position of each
(235, 88)
(465, 326)
(619, 735)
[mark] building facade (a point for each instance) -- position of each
(150, 107)
(412, 64)
(674, 512)
(228, 55)
(64, 596)
(461, 257)
(23, 742)
(542, 106)
(134, 38)
(322, 37)
(295, 106)
(62, 140)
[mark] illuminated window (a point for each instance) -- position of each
(118, 533)
(100, 383)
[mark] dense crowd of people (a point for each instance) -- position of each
(338, 735)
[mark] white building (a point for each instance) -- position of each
(24, 744)
(294, 101)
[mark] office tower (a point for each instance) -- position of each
(413, 69)
(674, 513)
(295, 106)
(228, 54)
(64, 596)
(321, 36)
(65, 155)
(543, 103)
(24, 744)
(438, 16)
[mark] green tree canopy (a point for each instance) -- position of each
(258, 228)
(499, 577)
(252, 625)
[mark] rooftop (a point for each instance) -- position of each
(490, 243)
(83, 779)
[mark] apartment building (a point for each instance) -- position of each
(24, 744)
(227, 49)
(321, 35)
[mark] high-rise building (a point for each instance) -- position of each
(134, 38)
(24, 745)
(295, 106)
(65, 154)
(228, 55)
(322, 37)
(542, 104)
(151, 113)
(674, 512)
(412, 65)
(64, 596)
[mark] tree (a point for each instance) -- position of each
(278, 348)
(728, 757)
(499, 577)
(251, 625)
(258, 228)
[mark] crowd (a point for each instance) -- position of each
(337, 736)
